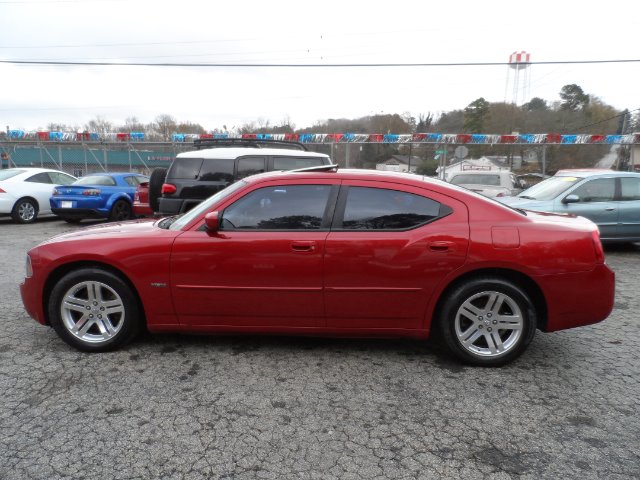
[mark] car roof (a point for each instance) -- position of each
(234, 152)
(35, 170)
(352, 174)
(591, 172)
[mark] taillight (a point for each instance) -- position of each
(597, 245)
(2, 191)
(136, 197)
(91, 192)
(501, 194)
(168, 189)
(56, 191)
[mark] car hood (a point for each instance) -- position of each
(526, 203)
(128, 229)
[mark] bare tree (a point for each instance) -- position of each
(99, 125)
(165, 125)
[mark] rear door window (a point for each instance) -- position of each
(217, 170)
(293, 163)
(39, 178)
(250, 166)
(369, 208)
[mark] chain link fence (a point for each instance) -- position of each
(82, 158)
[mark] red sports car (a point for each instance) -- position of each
(141, 207)
(324, 251)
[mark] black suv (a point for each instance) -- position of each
(194, 176)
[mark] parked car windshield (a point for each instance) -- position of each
(4, 175)
(549, 188)
(204, 206)
(96, 180)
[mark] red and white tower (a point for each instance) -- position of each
(520, 84)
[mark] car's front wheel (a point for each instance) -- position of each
(25, 210)
(487, 321)
(93, 310)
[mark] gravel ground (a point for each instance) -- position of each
(182, 407)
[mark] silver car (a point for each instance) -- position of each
(609, 199)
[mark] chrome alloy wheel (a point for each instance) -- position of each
(26, 211)
(92, 312)
(489, 324)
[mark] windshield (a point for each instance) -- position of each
(549, 188)
(206, 205)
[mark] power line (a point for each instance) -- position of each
(307, 65)
(628, 112)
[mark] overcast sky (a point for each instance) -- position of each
(298, 32)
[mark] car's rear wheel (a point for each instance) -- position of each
(487, 321)
(93, 310)
(155, 187)
(121, 210)
(25, 210)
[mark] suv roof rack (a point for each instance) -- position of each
(318, 168)
(247, 142)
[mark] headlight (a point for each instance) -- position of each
(29, 268)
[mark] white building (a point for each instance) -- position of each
(400, 163)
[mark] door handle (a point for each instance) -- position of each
(609, 209)
(441, 246)
(303, 246)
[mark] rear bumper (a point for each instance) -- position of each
(142, 209)
(577, 299)
(79, 213)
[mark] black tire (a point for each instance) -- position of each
(98, 305)
(120, 211)
(156, 180)
(25, 210)
(471, 316)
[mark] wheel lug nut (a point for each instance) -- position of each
(489, 329)
(91, 316)
(88, 307)
(495, 322)
(480, 327)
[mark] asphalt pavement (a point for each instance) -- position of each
(201, 407)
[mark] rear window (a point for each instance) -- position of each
(475, 179)
(186, 168)
(4, 175)
(293, 163)
(96, 180)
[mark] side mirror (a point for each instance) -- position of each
(571, 199)
(212, 222)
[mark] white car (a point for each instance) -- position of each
(490, 183)
(25, 192)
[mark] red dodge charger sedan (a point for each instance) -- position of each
(324, 251)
